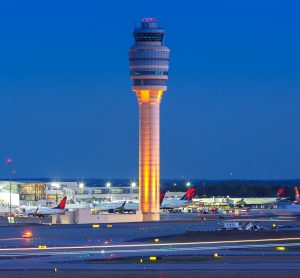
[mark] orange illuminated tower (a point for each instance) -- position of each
(149, 65)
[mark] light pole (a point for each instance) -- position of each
(10, 200)
(108, 185)
(81, 185)
(132, 186)
(9, 161)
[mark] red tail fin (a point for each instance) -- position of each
(191, 193)
(62, 203)
(280, 192)
(162, 196)
(297, 195)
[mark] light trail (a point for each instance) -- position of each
(156, 250)
(148, 244)
(14, 238)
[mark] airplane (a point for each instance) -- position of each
(185, 200)
(244, 202)
(297, 195)
(290, 209)
(109, 206)
(45, 211)
(122, 206)
(131, 206)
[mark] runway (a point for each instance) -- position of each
(105, 257)
(182, 245)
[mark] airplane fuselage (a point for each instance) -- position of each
(44, 211)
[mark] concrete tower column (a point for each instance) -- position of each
(149, 157)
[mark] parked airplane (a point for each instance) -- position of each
(107, 206)
(134, 205)
(129, 206)
(243, 202)
(45, 211)
(122, 206)
(185, 200)
(291, 208)
(297, 195)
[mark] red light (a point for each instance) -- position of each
(9, 160)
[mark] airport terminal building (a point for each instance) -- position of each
(47, 193)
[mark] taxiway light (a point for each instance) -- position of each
(152, 258)
(42, 246)
(109, 225)
(216, 255)
(280, 248)
(95, 226)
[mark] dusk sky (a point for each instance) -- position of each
(232, 108)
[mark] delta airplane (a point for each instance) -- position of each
(45, 211)
(168, 204)
(291, 209)
(122, 206)
(185, 200)
(243, 202)
(106, 206)
(129, 206)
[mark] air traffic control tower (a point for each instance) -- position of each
(149, 65)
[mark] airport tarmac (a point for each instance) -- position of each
(123, 246)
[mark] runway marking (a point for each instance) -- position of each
(147, 244)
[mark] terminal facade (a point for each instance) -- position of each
(50, 193)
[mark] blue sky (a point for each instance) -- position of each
(231, 109)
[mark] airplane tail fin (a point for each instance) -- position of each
(297, 195)
(120, 208)
(161, 197)
(189, 195)
(62, 204)
(281, 192)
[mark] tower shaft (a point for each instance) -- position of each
(149, 157)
